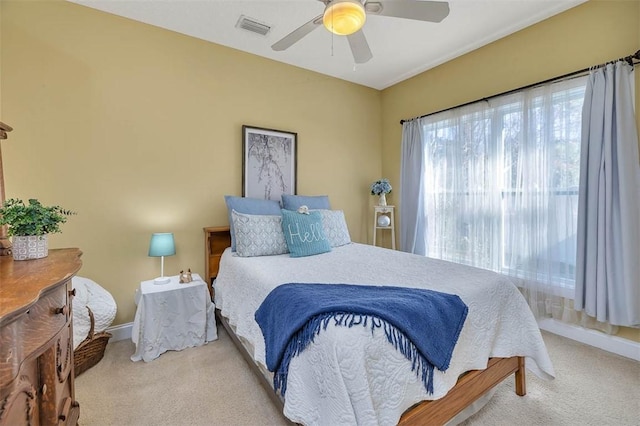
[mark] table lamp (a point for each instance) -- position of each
(162, 245)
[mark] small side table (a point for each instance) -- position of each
(384, 210)
(172, 316)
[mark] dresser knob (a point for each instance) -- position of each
(72, 293)
(64, 310)
(66, 408)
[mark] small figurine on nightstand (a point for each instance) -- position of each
(185, 278)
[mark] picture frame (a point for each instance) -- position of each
(268, 162)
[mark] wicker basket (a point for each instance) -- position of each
(91, 350)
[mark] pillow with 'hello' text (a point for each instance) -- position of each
(304, 233)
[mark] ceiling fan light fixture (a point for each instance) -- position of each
(344, 17)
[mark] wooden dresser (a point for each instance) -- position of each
(36, 347)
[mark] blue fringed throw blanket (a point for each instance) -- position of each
(423, 325)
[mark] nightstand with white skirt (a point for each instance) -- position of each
(172, 316)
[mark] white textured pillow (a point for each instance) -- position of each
(90, 294)
(335, 227)
(258, 235)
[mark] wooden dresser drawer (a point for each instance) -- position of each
(36, 347)
(35, 328)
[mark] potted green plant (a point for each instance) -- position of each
(29, 225)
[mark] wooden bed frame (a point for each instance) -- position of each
(471, 386)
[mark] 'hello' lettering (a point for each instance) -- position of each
(315, 233)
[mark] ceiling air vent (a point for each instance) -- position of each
(252, 25)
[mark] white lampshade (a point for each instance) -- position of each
(344, 17)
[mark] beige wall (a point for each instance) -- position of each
(590, 34)
(138, 129)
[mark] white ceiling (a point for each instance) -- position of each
(401, 48)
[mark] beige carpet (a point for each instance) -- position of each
(212, 385)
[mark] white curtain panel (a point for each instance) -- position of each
(462, 187)
(608, 257)
(541, 197)
(413, 222)
(501, 186)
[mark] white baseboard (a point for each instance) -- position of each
(617, 345)
(614, 344)
(120, 332)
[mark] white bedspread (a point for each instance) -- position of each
(348, 377)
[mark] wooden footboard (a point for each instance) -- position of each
(471, 386)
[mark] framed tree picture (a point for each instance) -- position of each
(268, 163)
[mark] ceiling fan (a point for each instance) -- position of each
(346, 17)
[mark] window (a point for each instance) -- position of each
(501, 183)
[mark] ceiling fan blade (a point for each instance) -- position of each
(297, 34)
(419, 10)
(359, 47)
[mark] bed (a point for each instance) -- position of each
(353, 375)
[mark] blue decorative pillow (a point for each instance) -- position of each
(292, 202)
(249, 206)
(304, 233)
(258, 235)
(335, 227)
